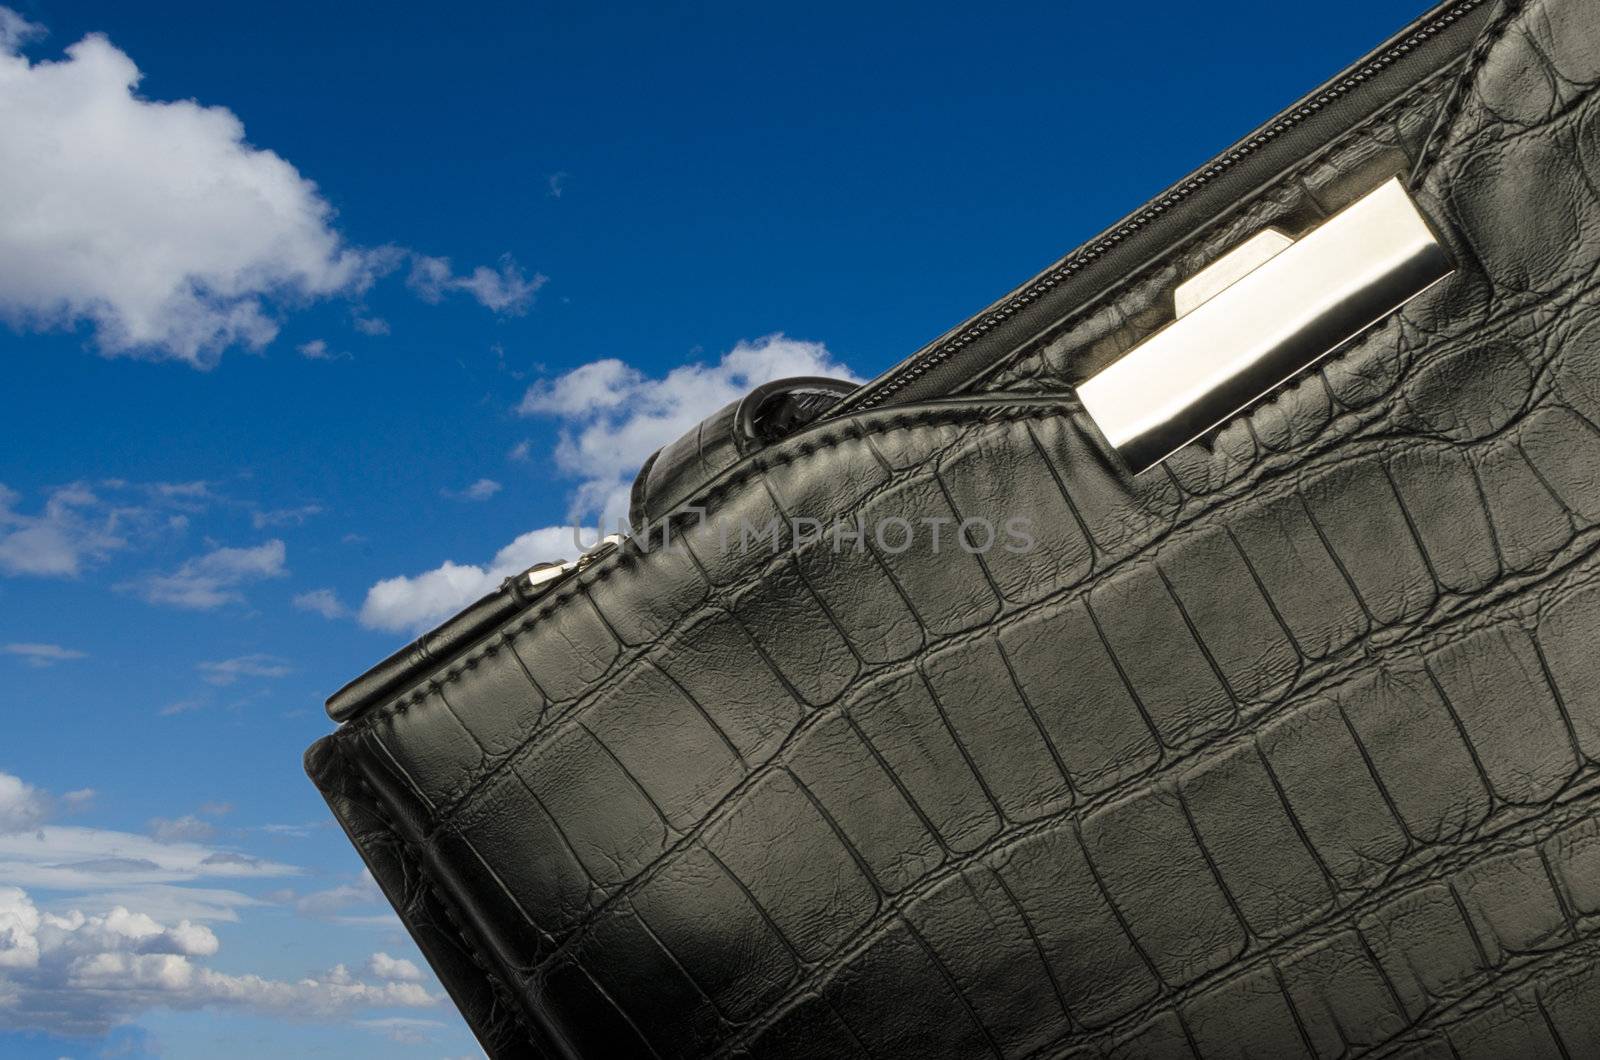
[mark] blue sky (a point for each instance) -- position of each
(295, 367)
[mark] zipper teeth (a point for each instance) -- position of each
(1066, 270)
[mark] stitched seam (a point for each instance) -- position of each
(1342, 427)
(1040, 409)
(1458, 96)
(1276, 467)
(375, 803)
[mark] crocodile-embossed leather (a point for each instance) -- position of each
(1290, 748)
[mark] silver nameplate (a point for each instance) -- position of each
(1260, 315)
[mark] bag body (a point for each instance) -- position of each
(1285, 747)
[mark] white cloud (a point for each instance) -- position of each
(370, 325)
(80, 525)
(382, 966)
(185, 829)
(213, 579)
(155, 221)
(324, 602)
(78, 800)
(403, 1030)
(227, 671)
(413, 603)
(19, 928)
(613, 417)
(289, 830)
(124, 934)
(16, 31)
(521, 452)
(507, 290)
(359, 903)
(167, 902)
(73, 529)
(77, 973)
(44, 654)
(160, 226)
(317, 350)
(261, 520)
(480, 490)
(36, 853)
(72, 857)
(22, 806)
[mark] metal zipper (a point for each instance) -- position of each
(873, 395)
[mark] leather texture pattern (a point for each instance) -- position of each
(1290, 748)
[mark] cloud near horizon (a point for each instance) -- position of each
(125, 931)
(76, 974)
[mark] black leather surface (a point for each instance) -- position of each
(1290, 748)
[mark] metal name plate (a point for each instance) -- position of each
(1260, 315)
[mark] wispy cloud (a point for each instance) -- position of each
(324, 602)
(34, 852)
(78, 800)
(193, 828)
(403, 1030)
(264, 519)
(16, 31)
(318, 350)
(211, 580)
(507, 289)
(480, 490)
(227, 671)
(73, 529)
(185, 829)
(358, 902)
(293, 831)
(80, 525)
(42, 655)
(75, 857)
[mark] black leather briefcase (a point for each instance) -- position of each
(1248, 706)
